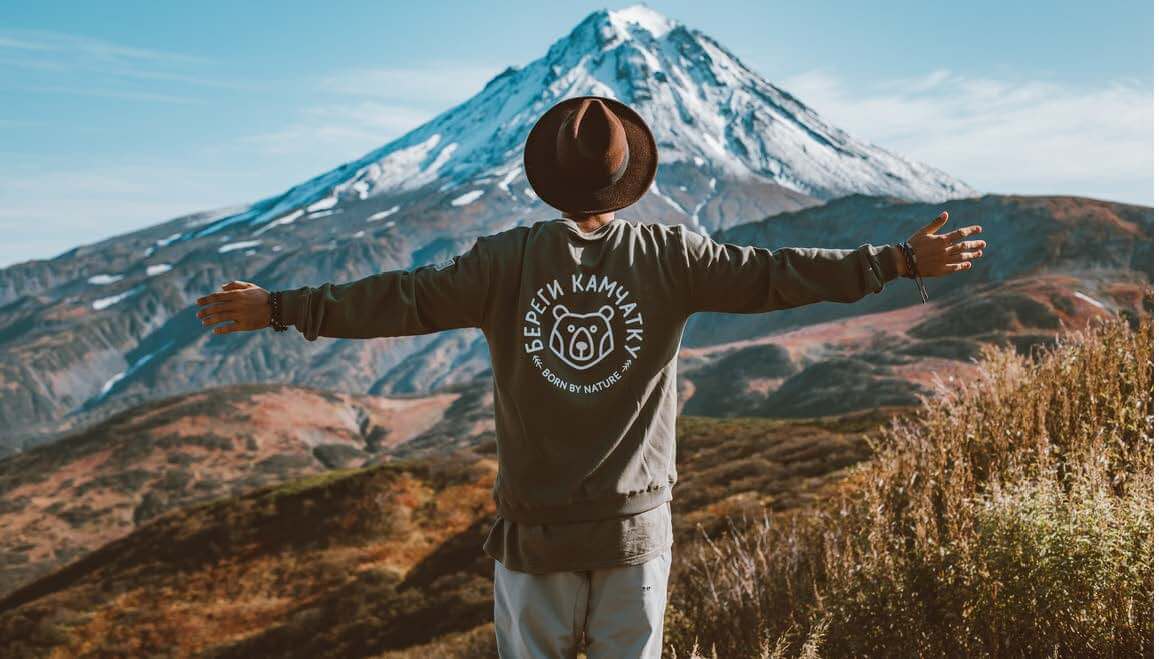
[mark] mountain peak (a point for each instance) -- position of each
(640, 17)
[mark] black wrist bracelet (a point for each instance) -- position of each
(276, 312)
(912, 266)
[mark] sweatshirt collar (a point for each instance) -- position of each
(574, 227)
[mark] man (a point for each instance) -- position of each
(583, 315)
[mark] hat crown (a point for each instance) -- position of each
(590, 154)
(591, 146)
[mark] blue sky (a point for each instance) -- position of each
(119, 115)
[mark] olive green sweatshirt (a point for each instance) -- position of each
(583, 331)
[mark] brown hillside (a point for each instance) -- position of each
(893, 357)
(62, 500)
(370, 561)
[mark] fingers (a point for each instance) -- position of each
(967, 245)
(963, 256)
(232, 326)
(229, 290)
(955, 267)
(217, 314)
(936, 222)
(958, 234)
(215, 298)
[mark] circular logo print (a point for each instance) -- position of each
(582, 334)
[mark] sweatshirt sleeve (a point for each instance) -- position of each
(730, 278)
(449, 295)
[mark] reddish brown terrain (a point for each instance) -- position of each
(59, 501)
(892, 357)
(379, 561)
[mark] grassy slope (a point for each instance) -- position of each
(62, 500)
(1012, 517)
(364, 562)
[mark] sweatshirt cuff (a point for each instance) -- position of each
(886, 261)
(294, 305)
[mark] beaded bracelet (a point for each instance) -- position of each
(276, 312)
(911, 261)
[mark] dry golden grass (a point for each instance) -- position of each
(1011, 517)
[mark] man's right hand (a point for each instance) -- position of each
(243, 306)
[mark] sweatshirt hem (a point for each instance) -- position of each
(585, 511)
(627, 561)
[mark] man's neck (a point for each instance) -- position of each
(589, 223)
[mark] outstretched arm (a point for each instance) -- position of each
(450, 295)
(731, 278)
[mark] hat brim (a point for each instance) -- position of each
(555, 188)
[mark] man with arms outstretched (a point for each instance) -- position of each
(583, 316)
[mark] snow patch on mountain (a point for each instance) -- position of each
(165, 241)
(640, 17)
(288, 218)
(244, 244)
(102, 279)
(134, 367)
(1086, 298)
(465, 199)
(510, 176)
(382, 215)
(324, 204)
(106, 302)
(655, 189)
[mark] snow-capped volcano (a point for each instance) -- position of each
(706, 109)
(110, 324)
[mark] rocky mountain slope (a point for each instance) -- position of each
(106, 326)
(1093, 240)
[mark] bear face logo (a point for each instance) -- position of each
(582, 340)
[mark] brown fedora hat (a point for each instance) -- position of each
(590, 154)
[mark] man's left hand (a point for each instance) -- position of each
(940, 254)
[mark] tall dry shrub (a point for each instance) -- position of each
(1010, 517)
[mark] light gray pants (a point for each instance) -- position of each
(618, 612)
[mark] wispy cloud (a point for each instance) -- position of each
(125, 95)
(72, 45)
(362, 109)
(59, 63)
(346, 129)
(48, 206)
(1031, 136)
(19, 123)
(432, 82)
